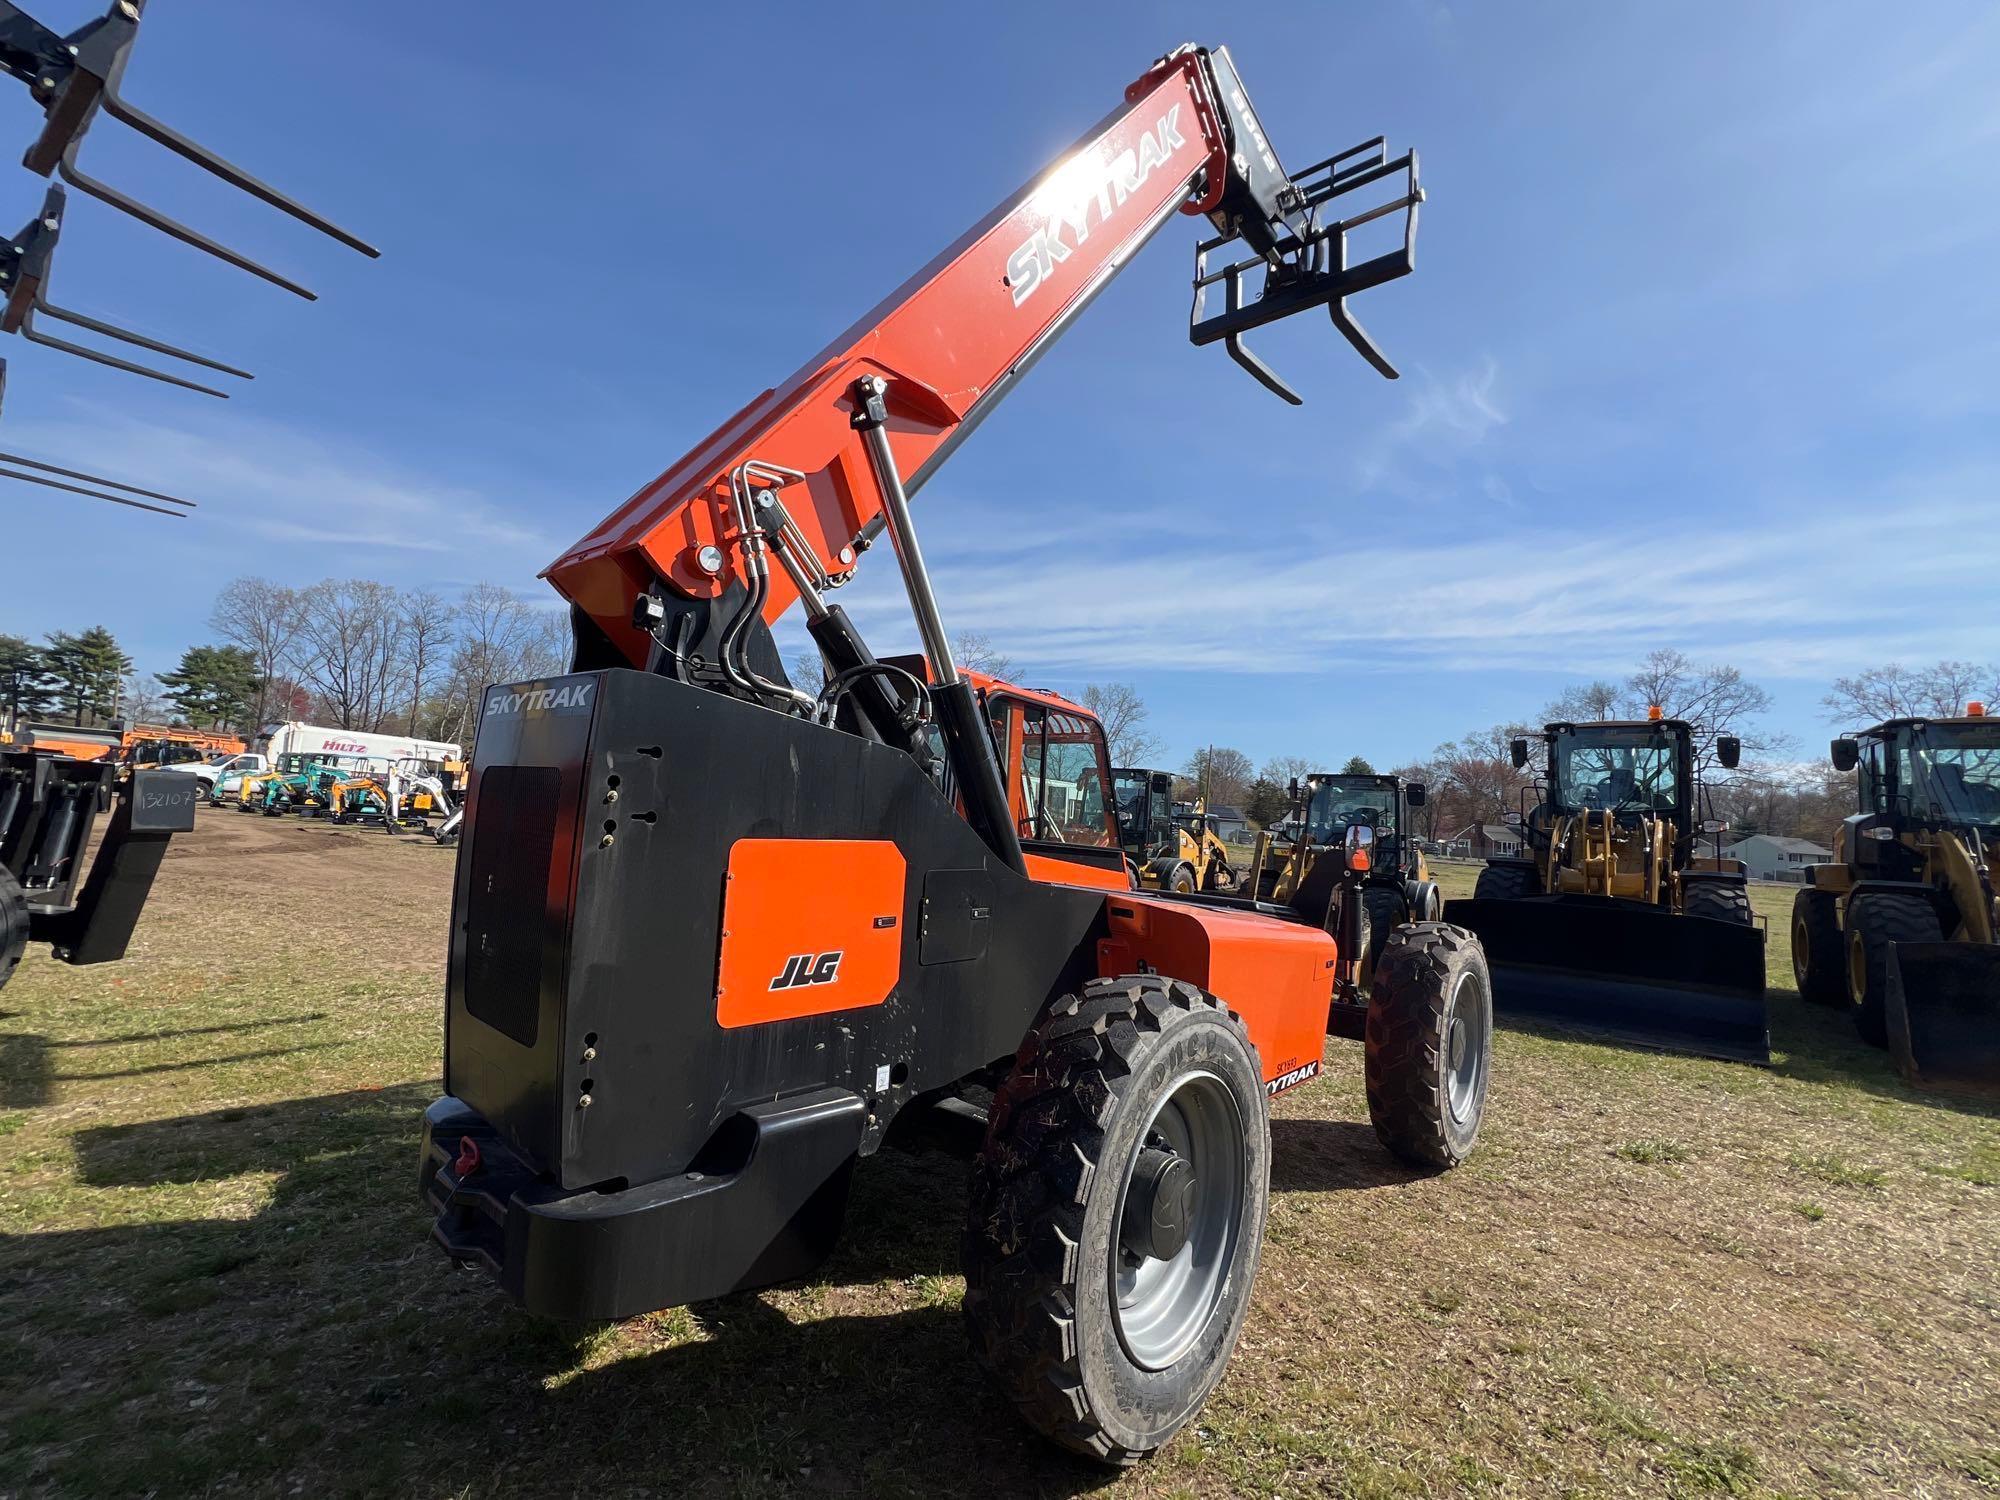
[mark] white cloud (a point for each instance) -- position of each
(1804, 590)
(265, 482)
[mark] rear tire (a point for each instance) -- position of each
(13, 925)
(1070, 1323)
(1875, 919)
(1816, 957)
(1720, 901)
(1505, 883)
(1430, 1044)
(1181, 882)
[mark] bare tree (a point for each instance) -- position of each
(143, 699)
(263, 618)
(1714, 700)
(349, 648)
(1475, 778)
(807, 670)
(499, 638)
(977, 651)
(1586, 703)
(1122, 711)
(1220, 776)
(427, 625)
(1281, 770)
(1895, 691)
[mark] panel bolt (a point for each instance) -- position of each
(605, 842)
(612, 795)
(590, 1054)
(583, 1101)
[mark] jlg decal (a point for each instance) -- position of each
(1121, 177)
(1297, 1075)
(802, 969)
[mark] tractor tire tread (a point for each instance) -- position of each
(1030, 1186)
(1877, 919)
(1503, 883)
(1823, 980)
(1719, 900)
(1405, 1056)
(13, 925)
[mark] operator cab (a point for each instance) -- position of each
(1921, 774)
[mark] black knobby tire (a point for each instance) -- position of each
(1430, 1044)
(1719, 900)
(1817, 967)
(1042, 1252)
(1181, 881)
(1505, 883)
(1386, 910)
(13, 925)
(1875, 919)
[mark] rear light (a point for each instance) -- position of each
(1357, 859)
(1654, 712)
(468, 1157)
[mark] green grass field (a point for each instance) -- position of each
(1659, 1276)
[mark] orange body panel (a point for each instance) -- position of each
(808, 926)
(1277, 975)
(1052, 870)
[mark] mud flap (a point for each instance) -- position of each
(1621, 971)
(1942, 1005)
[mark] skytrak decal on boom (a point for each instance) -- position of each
(1039, 254)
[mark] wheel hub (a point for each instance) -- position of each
(1159, 1205)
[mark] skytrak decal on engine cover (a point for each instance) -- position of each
(1296, 1075)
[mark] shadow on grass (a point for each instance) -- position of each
(1326, 1156)
(27, 1060)
(342, 1351)
(1818, 1044)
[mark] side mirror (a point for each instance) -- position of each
(1292, 791)
(1414, 792)
(1360, 838)
(1163, 781)
(1728, 750)
(1846, 754)
(1519, 748)
(1714, 825)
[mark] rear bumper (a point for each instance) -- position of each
(768, 1210)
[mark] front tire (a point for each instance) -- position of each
(1107, 1333)
(13, 925)
(1720, 901)
(1181, 882)
(1505, 883)
(1429, 1044)
(1875, 919)
(1816, 957)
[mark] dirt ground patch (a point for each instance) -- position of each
(1658, 1276)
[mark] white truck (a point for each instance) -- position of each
(282, 746)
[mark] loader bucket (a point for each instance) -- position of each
(1624, 972)
(1942, 1004)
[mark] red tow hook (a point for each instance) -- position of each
(468, 1157)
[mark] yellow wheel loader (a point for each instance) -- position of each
(1169, 851)
(1396, 888)
(1612, 923)
(1904, 929)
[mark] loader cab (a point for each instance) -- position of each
(1928, 773)
(1334, 804)
(1144, 806)
(1630, 769)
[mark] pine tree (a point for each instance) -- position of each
(24, 687)
(214, 686)
(1357, 765)
(85, 671)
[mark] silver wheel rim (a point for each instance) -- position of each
(1465, 1047)
(1160, 1307)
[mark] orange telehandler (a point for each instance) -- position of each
(717, 936)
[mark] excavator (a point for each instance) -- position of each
(718, 936)
(1904, 929)
(1168, 851)
(1614, 923)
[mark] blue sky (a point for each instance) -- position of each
(1700, 349)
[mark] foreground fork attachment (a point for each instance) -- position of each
(116, 484)
(72, 76)
(1309, 269)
